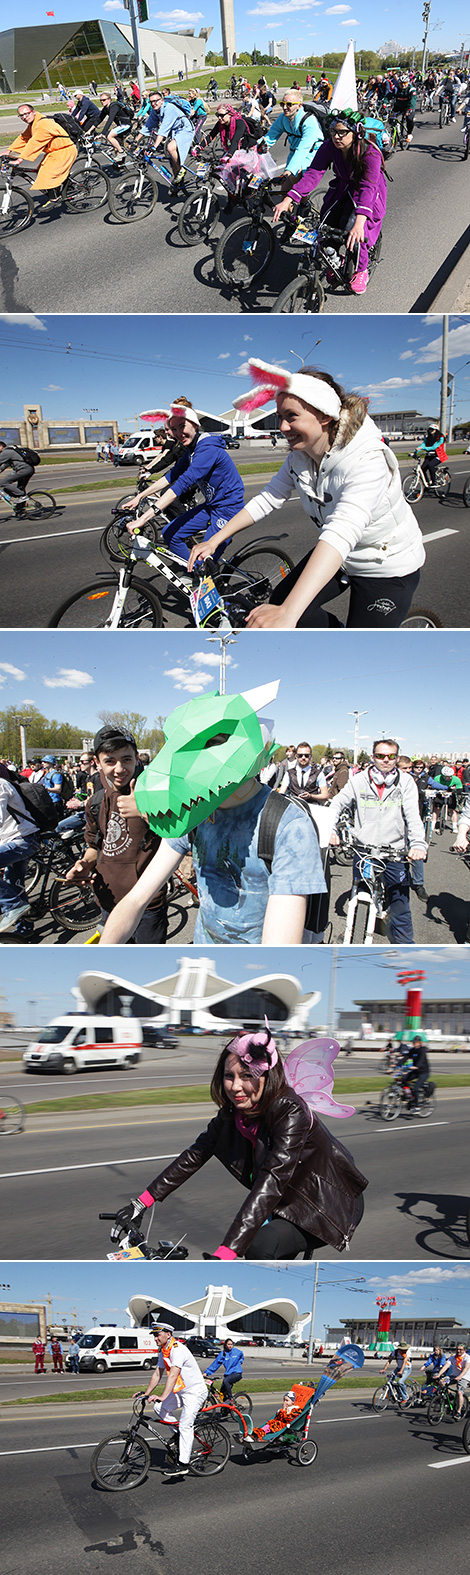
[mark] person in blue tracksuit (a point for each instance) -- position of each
(204, 464)
(231, 1359)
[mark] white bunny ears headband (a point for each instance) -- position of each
(174, 410)
(272, 380)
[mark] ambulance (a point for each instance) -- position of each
(80, 1043)
(106, 1348)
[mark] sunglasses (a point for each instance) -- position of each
(386, 757)
(338, 132)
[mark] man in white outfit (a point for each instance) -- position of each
(184, 1385)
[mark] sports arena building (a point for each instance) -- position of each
(75, 53)
(196, 997)
(219, 1313)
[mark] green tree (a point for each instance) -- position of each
(131, 722)
(42, 732)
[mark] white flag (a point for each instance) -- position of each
(344, 92)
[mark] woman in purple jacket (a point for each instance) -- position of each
(357, 197)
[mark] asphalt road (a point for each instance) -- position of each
(369, 1496)
(63, 1170)
(44, 562)
(89, 263)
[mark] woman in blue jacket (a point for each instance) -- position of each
(204, 463)
(303, 131)
(231, 1359)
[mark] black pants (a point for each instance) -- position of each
(429, 466)
(374, 603)
(226, 1385)
(152, 928)
(281, 1239)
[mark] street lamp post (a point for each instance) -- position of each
(222, 640)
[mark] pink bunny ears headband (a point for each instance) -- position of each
(175, 410)
(272, 380)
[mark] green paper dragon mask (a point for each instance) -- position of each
(212, 745)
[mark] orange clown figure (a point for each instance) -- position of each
(292, 1404)
(46, 137)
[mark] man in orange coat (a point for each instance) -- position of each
(46, 137)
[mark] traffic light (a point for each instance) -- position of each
(142, 10)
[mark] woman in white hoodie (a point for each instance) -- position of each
(349, 484)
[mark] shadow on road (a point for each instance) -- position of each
(448, 1221)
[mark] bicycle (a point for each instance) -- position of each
(389, 1394)
(72, 907)
(398, 131)
(445, 111)
(443, 1403)
(33, 505)
(246, 248)
(16, 204)
(344, 829)
(123, 601)
(466, 138)
(367, 903)
(398, 1099)
(241, 1403)
(202, 210)
(133, 197)
(123, 1461)
(132, 1243)
(324, 257)
(466, 493)
(415, 484)
(12, 1115)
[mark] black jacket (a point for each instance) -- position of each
(297, 1170)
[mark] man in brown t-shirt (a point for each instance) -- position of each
(119, 846)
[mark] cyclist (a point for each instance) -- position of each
(232, 129)
(12, 460)
(303, 131)
(119, 844)
(357, 198)
(386, 811)
(18, 834)
(231, 1359)
(170, 117)
(184, 1382)
(349, 485)
(324, 91)
(45, 137)
(433, 1368)
(52, 779)
(206, 464)
(302, 1185)
(458, 1368)
(432, 440)
(115, 119)
(418, 1073)
(401, 1357)
(405, 105)
(198, 112)
(85, 111)
(450, 91)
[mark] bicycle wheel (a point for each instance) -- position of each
(466, 494)
(38, 505)
(12, 1115)
(91, 607)
(254, 569)
(18, 211)
(116, 544)
(130, 201)
(243, 1402)
(359, 925)
(466, 1437)
(443, 484)
(197, 221)
(211, 1448)
(380, 1398)
(119, 1465)
(375, 256)
(244, 252)
(307, 1452)
(34, 870)
(435, 1410)
(86, 189)
(74, 907)
(412, 488)
(389, 1106)
(442, 117)
(303, 295)
(421, 618)
(427, 1106)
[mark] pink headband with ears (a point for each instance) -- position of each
(273, 380)
(256, 1051)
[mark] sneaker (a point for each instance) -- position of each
(420, 891)
(409, 139)
(359, 282)
(8, 920)
(179, 1471)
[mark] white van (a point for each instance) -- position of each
(76, 1043)
(106, 1347)
(138, 448)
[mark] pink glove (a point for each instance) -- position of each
(224, 1252)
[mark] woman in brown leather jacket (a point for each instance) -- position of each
(304, 1191)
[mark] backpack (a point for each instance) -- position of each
(68, 788)
(38, 804)
(316, 916)
(29, 455)
(181, 103)
(374, 131)
(321, 111)
(69, 124)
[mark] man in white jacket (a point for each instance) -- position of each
(386, 812)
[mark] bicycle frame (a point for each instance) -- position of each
(315, 261)
(371, 872)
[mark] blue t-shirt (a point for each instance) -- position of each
(53, 782)
(234, 884)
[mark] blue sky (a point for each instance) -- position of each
(400, 680)
(122, 365)
(41, 989)
(103, 1290)
(309, 25)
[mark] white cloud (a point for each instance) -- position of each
(53, 388)
(407, 355)
(337, 10)
(183, 678)
(243, 370)
(248, 339)
(282, 7)
(69, 678)
(398, 382)
(179, 16)
(459, 344)
(11, 672)
(224, 355)
(113, 5)
(210, 659)
(23, 319)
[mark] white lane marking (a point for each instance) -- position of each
(48, 1449)
(95, 1164)
(327, 1420)
(440, 1465)
(51, 535)
(414, 1126)
(436, 535)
